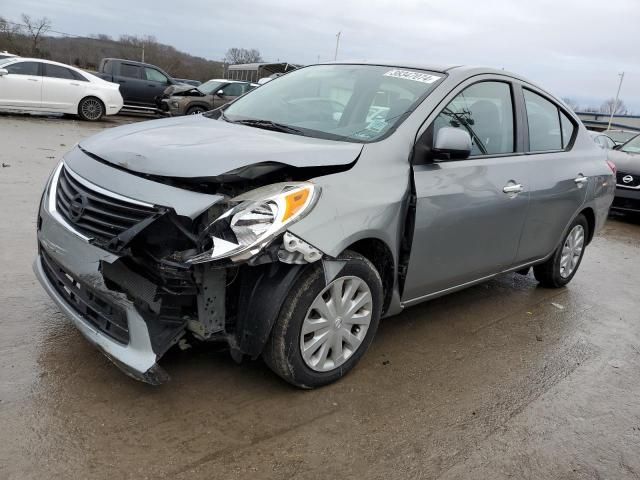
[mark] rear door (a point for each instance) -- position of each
(559, 178)
(132, 84)
(62, 88)
(470, 213)
(22, 86)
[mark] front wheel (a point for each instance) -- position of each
(90, 109)
(324, 329)
(196, 110)
(563, 265)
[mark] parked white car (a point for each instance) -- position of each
(35, 85)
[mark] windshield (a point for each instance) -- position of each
(209, 87)
(359, 103)
(6, 60)
(632, 146)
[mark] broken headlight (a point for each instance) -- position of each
(255, 219)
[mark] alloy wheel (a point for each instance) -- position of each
(91, 109)
(571, 251)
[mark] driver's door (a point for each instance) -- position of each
(469, 213)
(228, 93)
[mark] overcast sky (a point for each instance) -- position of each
(574, 48)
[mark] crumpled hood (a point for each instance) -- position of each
(196, 146)
(625, 162)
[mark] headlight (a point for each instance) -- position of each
(257, 217)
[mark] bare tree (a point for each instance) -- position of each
(608, 106)
(571, 103)
(9, 33)
(36, 29)
(236, 56)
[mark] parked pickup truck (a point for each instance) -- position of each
(140, 83)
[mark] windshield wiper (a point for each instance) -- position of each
(268, 125)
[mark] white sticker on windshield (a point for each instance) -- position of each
(415, 76)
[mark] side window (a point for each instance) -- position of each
(131, 71)
(485, 110)
(24, 68)
(56, 71)
(567, 131)
(78, 76)
(155, 76)
(544, 123)
(233, 90)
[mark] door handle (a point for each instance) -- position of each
(75, 84)
(512, 188)
(581, 180)
(33, 79)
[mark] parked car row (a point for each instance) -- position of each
(288, 222)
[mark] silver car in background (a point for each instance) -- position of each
(287, 223)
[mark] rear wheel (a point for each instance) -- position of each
(324, 329)
(195, 110)
(90, 109)
(563, 265)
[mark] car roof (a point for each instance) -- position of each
(42, 60)
(428, 66)
(225, 80)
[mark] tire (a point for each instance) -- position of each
(556, 272)
(284, 350)
(195, 110)
(91, 109)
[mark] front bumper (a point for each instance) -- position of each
(74, 254)
(626, 200)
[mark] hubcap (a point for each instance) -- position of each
(336, 323)
(91, 109)
(571, 251)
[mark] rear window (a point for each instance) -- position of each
(550, 129)
(131, 71)
(56, 71)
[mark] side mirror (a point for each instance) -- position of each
(452, 144)
(3, 72)
(220, 93)
(615, 147)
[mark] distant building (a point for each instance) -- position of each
(252, 72)
(600, 121)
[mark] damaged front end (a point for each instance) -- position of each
(138, 278)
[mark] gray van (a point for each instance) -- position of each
(287, 223)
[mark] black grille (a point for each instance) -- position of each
(633, 183)
(94, 214)
(94, 309)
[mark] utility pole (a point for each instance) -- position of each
(143, 53)
(335, 55)
(615, 104)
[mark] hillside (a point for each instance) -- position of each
(86, 52)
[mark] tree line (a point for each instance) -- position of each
(31, 37)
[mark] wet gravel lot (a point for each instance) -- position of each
(502, 380)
